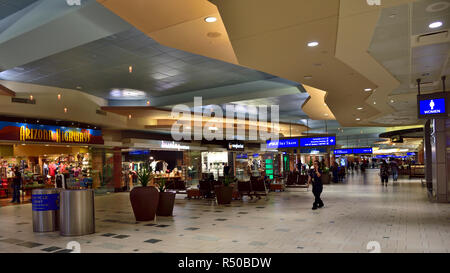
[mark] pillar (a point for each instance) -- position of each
(440, 160)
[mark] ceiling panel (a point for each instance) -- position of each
(8, 7)
(102, 66)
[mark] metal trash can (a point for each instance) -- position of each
(45, 206)
(77, 214)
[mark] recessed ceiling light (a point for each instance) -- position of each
(130, 69)
(374, 102)
(325, 115)
(368, 89)
(79, 87)
(308, 77)
(392, 101)
(59, 96)
(359, 108)
(210, 19)
(438, 6)
(313, 44)
(358, 119)
(435, 24)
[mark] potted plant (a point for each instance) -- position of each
(224, 193)
(166, 199)
(144, 199)
(326, 178)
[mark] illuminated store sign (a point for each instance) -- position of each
(235, 146)
(317, 141)
(173, 145)
(282, 143)
(16, 131)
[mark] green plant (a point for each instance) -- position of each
(144, 176)
(310, 163)
(228, 180)
(162, 184)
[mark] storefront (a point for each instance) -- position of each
(48, 155)
(166, 159)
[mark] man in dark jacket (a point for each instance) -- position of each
(16, 185)
(315, 178)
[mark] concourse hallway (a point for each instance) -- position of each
(400, 217)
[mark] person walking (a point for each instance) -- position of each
(17, 181)
(384, 173)
(394, 169)
(314, 177)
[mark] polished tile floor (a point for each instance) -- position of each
(399, 217)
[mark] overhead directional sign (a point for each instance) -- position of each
(317, 141)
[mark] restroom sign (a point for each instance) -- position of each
(433, 105)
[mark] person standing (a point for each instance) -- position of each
(17, 181)
(226, 170)
(314, 177)
(384, 173)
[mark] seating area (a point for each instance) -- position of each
(297, 180)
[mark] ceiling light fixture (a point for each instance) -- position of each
(308, 77)
(148, 102)
(210, 19)
(435, 24)
(59, 96)
(313, 44)
(374, 102)
(359, 108)
(31, 97)
(129, 116)
(65, 109)
(325, 115)
(358, 119)
(392, 101)
(368, 89)
(130, 69)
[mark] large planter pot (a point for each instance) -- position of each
(224, 195)
(166, 203)
(326, 178)
(144, 201)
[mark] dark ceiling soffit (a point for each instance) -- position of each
(6, 91)
(402, 133)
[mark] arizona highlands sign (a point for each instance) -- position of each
(25, 132)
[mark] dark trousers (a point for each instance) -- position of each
(317, 190)
(16, 193)
(384, 178)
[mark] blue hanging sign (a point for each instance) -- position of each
(282, 143)
(317, 141)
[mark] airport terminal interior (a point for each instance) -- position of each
(237, 126)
